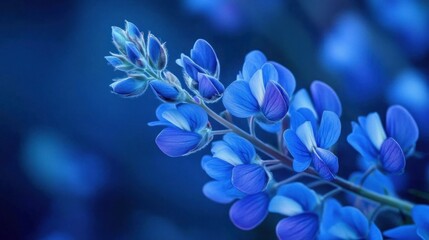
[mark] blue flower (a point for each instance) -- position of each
(309, 143)
(238, 174)
(418, 230)
(323, 99)
(370, 140)
(346, 223)
(262, 90)
(169, 90)
(299, 203)
(141, 62)
(187, 129)
(202, 70)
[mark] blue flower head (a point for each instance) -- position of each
(418, 230)
(262, 90)
(369, 138)
(299, 204)
(202, 70)
(140, 61)
(237, 174)
(187, 129)
(323, 98)
(346, 223)
(309, 143)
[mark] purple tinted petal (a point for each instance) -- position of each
(217, 168)
(253, 61)
(204, 55)
(325, 98)
(239, 100)
(329, 131)
(275, 105)
(408, 232)
(325, 163)
(421, 219)
(361, 143)
(285, 78)
(221, 191)
(196, 117)
(302, 157)
(250, 211)
(175, 142)
(300, 227)
(209, 87)
(241, 147)
(402, 127)
(392, 158)
(249, 178)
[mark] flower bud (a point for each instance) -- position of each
(129, 87)
(157, 53)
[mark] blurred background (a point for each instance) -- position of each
(78, 162)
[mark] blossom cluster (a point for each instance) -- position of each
(308, 125)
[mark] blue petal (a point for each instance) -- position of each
(357, 224)
(329, 130)
(298, 117)
(331, 213)
(217, 168)
(285, 206)
(325, 163)
(129, 87)
(204, 55)
(325, 98)
(374, 129)
(191, 69)
(154, 48)
(269, 73)
(300, 193)
(303, 226)
(257, 86)
(222, 150)
(210, 88)
(175, 142)
(361, 143)
(241, 147)
(132, 30)
(285, 78)
(420, 215)
(305, 133)
(239, 101)
(249, 178)
(269, 127)
(392, 158)
(164, 91)
(408, 232)
(221, 191)
(114, 61)
(302, 157)
(159, 111)
(196, 116)
(253, 62)
(250, 211)
(119, 38)
(402, 127)
(301, 99)
(374, 233)
(276, 102)
(133, 53)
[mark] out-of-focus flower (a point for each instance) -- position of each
(418, 230)
(298, 203)
(387, 151)
(238, 174)
(309, 143)
(346, 223)
(262, 90)
(187, 129)
(202, 71)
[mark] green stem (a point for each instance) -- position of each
(348, 186)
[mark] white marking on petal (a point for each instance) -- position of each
(343, 231)
(177, 119)
(285, 206)
(222, 151)
(306, 135)
(257, 87)
(375, 130)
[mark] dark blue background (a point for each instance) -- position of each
(78, 162)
